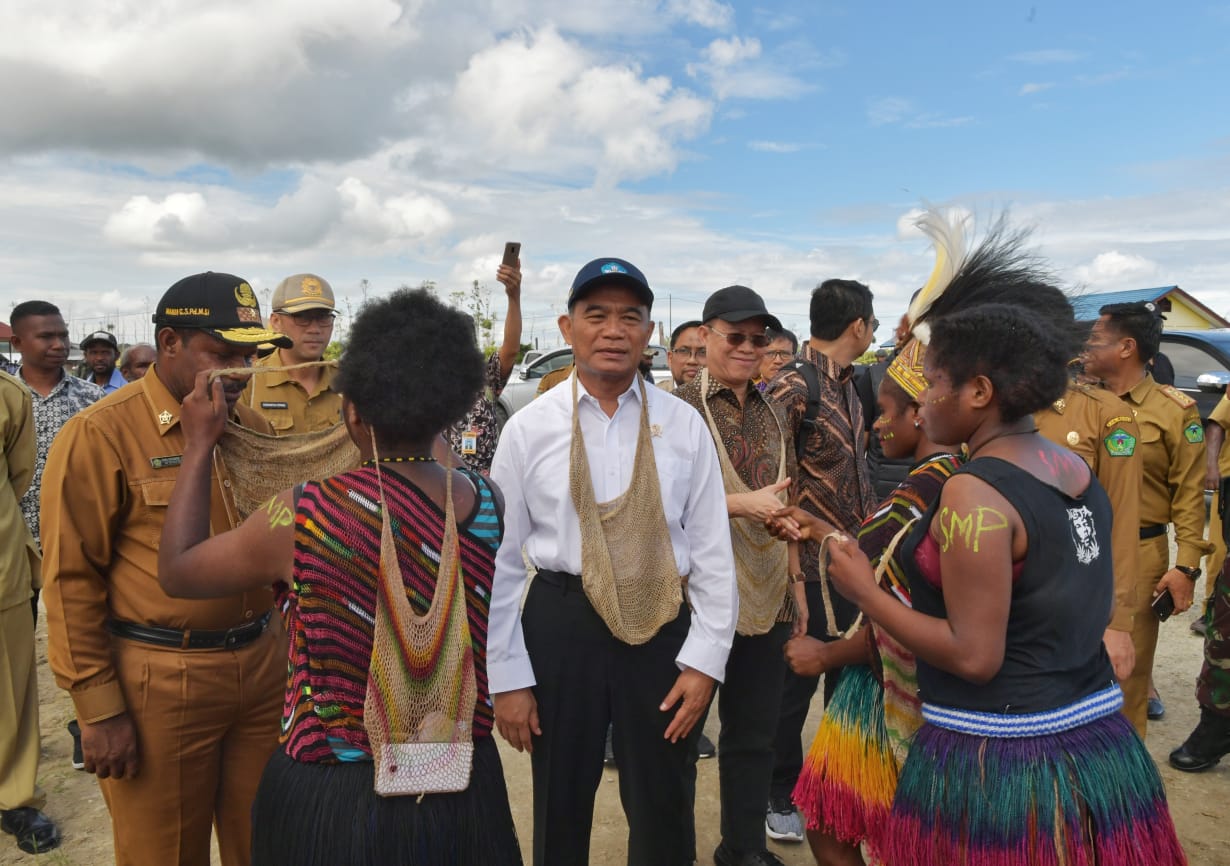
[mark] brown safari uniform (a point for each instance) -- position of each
(287, 405)
(1171, 491)
(1098, 426)
(206, 718)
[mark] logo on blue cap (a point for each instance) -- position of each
(614, 268)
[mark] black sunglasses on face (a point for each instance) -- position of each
(738, 338)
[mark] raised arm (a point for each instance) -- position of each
(511, 346)
(191, 564)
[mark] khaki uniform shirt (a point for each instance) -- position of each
(1221, 417)
(1172, 455)
(552, 379)
(19, 559)
(287, 405)
(1098, 426)
(106, 488)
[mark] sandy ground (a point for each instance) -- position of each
(1200, 802)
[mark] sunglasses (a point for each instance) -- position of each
(738, 338)
(779, 354)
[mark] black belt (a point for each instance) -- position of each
(1147, 532)
(204, 639)
(561, 579)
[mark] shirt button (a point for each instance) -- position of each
(247, 614)
(226, 482)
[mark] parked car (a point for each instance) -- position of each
(523, 385)
(1201, 361)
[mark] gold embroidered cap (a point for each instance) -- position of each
(222, 305)
(301, 292)
(907, 368)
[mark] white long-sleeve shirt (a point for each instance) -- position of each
(531, 467)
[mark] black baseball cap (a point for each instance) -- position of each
(222, 305)
(738, 304)
(610, 272)
(100, 337)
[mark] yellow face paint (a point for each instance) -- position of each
(968, 528)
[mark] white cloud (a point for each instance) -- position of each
(1032, 87)
(894, 110)
(542, 100)
(890, 109)
(1115, 268)
(735, 69)
(705, 13)
(776, 146)
(1046, 56)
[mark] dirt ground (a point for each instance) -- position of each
(1200, 803)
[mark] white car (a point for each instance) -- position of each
(523, 385)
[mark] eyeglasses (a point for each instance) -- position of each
(875, 323)
(310, 317)
(779, 354)
(738, 338)
(689, 352)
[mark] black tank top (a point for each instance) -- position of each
(1060, 605)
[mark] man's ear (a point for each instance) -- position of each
(565, 327)
(168, 342)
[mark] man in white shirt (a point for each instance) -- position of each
(638, 518)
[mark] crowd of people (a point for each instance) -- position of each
(319, 678)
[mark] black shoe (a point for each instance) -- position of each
(705, 747)
(74, 731)
(35, 832)
(1205, 746)
(1156, 710)
(725, 856)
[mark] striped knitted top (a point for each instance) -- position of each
(330, 609)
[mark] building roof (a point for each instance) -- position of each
(1086, 306)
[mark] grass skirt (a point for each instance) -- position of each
(1087, 796)
(849, 774)
(308, 814)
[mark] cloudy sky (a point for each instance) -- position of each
(709, 142)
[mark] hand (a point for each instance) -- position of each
(800, 605)
(794, 524)
(511, 278)
(1181, 587)
(806, 656)
(1212, 478)
(516, 717)
(1122, 653)
(761, 504)
(850, 570)
(110, 747)
(692, 691)
(202, 415)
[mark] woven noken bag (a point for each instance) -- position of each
(627, 563)
(421, 686)
(762, 567)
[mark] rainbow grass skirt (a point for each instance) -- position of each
(849, 775)
(1070, 787)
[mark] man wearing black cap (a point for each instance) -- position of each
(614, 491)
(101, 352)
(757, 460)
(178, 700)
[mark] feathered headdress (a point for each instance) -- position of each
(947, 233)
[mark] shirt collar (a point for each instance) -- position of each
(1137, 392)
(633, 392)
(164, 408)
(281, 377)
(63, 383)
(827, 365)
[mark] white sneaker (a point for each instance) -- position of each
(783, 823)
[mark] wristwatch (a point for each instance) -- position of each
(1193, 573)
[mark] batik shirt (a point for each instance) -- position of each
(481, 420)
(50, 412)
(833, 481)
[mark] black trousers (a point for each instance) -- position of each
(748, 703)
(798, 692)
(587, 680)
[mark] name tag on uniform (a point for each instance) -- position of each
(469, 441)
(166, 462)
(265, 405)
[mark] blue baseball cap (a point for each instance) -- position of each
(610, 272)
